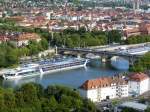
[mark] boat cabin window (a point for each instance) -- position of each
(9, 74)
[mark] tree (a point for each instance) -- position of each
(2, 100)
(80, 38)
(66, 101)
(142, 64)
(114, 36)
(44, 44)
(9, 99)
(24, 51)
(52, 103)
(29, 93)
(33, 97)
(33, 47)
(12, 57)
(2, 59)
(148, 109)
(137, 39)
(89, 106)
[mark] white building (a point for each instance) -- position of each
(104, 88)
(115, 87)
(138, 83)
(49, 15)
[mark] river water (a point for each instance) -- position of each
(72, 78)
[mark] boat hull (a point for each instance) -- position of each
(21, 76)
(42, 70)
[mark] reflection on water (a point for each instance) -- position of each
(18, 82)
(73, 78)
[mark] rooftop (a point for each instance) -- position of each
(138, 76)
(103, 82)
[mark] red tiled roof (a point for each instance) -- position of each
(138, 77)
(134, 30)
(27, 36)
(102, 82)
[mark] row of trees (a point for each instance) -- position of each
(143, 64)
(83, 38)
(34, 98)
(10, 54)
(138, 39)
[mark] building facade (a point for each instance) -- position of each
(138, 83)
(104, 88)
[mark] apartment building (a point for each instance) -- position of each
(142, 29)
(104, 88)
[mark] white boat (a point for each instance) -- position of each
(28, 66)
(67, 64)
(31, 70)
(22, 72)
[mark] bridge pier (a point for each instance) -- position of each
(78, 55)
(132, 61)
(103, 59)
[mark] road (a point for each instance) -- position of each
(116, 46)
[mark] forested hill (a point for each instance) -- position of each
(34, 98)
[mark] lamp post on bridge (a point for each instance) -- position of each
(56, 50)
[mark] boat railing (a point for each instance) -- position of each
(62, 66)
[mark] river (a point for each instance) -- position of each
(72, 78)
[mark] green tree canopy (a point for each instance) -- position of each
(34, 98)
(141, 65)
(114, 36)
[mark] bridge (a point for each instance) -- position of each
(129, 52)
(96, 52)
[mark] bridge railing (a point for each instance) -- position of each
(110, 53)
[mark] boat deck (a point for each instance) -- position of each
(59, 62)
